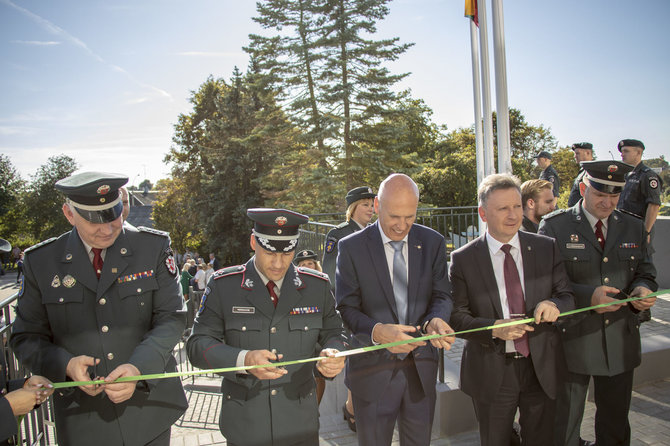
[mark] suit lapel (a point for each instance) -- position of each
(80, 267)
(613, 232)
(115, 263)
(289, 296)
(529, 261)
(487, 274)
(258, 295)
(378, 256)
(415, 265)
(584, 228)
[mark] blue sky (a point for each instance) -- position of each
(104, 82)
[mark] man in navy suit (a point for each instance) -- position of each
(392, 285)
(503, 275)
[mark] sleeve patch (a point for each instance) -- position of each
(170, 264)
(653, 183)
(330, 245)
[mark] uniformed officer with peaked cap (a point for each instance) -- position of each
(103, 300)
(265, 311)
(305, 254)
(583, 152)
(344, 229)
(548, 172)
(605, 254)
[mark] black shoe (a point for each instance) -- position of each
(349, 418)
(583, 442)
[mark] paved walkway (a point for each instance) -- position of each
(649, 414)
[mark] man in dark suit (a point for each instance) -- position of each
(606, 257)
(103, 301)
(504, 275)
(391, 285)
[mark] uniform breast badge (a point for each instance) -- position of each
(55, 283)
(69, 281)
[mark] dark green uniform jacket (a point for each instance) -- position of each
(575, 196)
(642, 187)
(551, 175)
(329, 262)
(237, 314)
(604, 344)
(133, 314)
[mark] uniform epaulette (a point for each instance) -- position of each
(342, 225)
(153, 231)
(555, 213)
(223, 272)
(624, 211)
(312, 272)
(40, 244)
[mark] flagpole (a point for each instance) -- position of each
(489, 166)
(476, 88)
(502, 105)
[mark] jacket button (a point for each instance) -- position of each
(102, 301)
(574, 258)
(607, 321)
(105, 329)
(606, 280)
(227, 397)
(139, 290)
(110, 356)
(60, 299)
(605, 259)
(273, 330)
(273, 392)
(306, 328)
(244, 328)
(632, 257)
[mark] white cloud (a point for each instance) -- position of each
(37, 42)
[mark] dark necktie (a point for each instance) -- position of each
(515, 300)
(273, 295)
(599, 234)
(400, 281)
(97, 261)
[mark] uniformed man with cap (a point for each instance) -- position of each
(583, 151)
(360, 209)
(605, 254)
(642, 193)
(262, 312)
(103, 301)
(548, 172)
(307, 258)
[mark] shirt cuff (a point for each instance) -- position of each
(372, 334)
(240, 361)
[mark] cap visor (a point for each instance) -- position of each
(103, 216)
(605, 188)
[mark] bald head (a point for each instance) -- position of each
(396, 204)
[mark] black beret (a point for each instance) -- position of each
(607, 176)
(543, 154)
(276, 229)
(582, 145)
(630, 143)
(95, 195)
(359, 193)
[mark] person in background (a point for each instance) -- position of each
(262, 312)
(606, 258)
(185, 280)
(538, 200)
(548, 172)
(583, 151)
(209, 271)
(125, 199)
(214, 262)
(360, 210)
(200, 277)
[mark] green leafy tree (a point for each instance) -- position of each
(43, 203)
(12, 216)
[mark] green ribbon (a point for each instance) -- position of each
(355, 351)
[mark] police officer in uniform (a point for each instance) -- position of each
(583, 151)
(605, 254)
(262, 312)
(360, 209)
(642, 193)
(307, 258)
(548, 172)
(103, 301)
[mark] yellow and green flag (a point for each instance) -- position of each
(471, 10)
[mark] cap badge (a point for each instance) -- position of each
(69, 281)
(304, 253)
(278, 231)
(102, 190)
(612, 168)
(281, 220)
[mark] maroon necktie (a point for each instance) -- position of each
(599, 234)
(271, 290)
(515, 300)
(97, 261)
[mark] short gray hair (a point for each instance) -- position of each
(495, 182)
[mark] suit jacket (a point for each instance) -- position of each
(623, 264)
(330, 249)
(236, 314)
(365, 297)
(133, 314)
(477, 304)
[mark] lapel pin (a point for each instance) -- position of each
(574, 238)
(69, 281)
(123, 251)
(68, 256)
(55, 283)
(418, 246)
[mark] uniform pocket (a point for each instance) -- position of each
(245, 332)
(65, 308)
(304, 330)
(137, 299)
